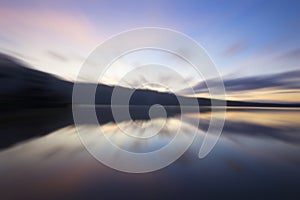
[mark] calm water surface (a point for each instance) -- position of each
(258, 155)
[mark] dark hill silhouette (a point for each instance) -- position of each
(21, 86)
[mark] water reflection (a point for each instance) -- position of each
(258, 152)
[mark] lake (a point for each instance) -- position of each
(257, 155)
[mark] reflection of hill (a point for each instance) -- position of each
(17, 126)
(26, 87)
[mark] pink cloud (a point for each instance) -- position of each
(68, 26)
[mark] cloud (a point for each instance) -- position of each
(285, 80)
(47, 23)
(293, 54)
(6, 40)
(57, 56)
(234, 49)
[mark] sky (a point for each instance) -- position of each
(254, 44)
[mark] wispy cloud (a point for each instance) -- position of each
(292, 54)
(285, 80)
(57, 56)
(54, 24)
(234, 49)
(283, 86)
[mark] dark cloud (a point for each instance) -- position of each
(285, 80)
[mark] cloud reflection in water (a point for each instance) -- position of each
(258, 149)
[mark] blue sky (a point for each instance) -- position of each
(244, 38)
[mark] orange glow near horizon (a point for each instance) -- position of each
(261, 95)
